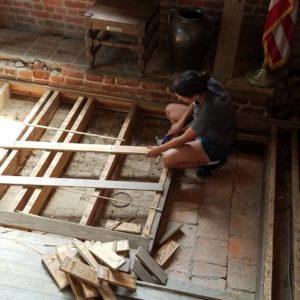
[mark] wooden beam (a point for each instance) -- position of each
(95, 204)
(228, 38)
(27, 89)
(33, 222)
(72, 182)
(74, 147)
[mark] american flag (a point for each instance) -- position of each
(278, 31)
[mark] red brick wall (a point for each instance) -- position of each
(65, 17)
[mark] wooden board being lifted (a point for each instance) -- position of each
(74, 147)
(73, 182)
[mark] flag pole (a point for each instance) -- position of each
(264, 76)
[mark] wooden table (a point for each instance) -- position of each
(131, 24)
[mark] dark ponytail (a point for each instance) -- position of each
(190, 83)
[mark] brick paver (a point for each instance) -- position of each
(244, 226)
(211, 251)
(214, 228)
(202, 269)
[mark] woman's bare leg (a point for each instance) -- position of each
(189, 155)
(174, 111)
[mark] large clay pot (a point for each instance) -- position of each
(191, 30)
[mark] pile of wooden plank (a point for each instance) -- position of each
(92, 269)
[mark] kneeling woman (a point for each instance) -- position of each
(203, 130)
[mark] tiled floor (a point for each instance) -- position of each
(219, 238)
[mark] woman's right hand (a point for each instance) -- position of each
(175, 129)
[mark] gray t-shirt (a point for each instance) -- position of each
(215, 117)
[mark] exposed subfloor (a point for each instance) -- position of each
(220, 215)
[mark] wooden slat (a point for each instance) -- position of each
(64, 251)
(74, 147)
(116, 278)
(13, 219)
(17, 158)
(133, 228)
(165, 252)
(88, 274)
(107, 256)
(141, 272)
(228, 38)
(169, 233)
(86, 254)
(94, 206)
(27, 89)
(151, 265)
(40, 196)
(51, 262)
(73, 182)
(24, 194)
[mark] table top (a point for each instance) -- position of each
(126, 12)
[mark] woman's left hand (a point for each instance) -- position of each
(153, 151)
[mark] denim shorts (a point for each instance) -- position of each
(215, 151)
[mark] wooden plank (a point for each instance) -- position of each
(24, 194)
(13, 219)
(17, 158)
(228, 38)
(74, 147)
(123, 226)
(51, 262)
(4, 95)
(120, 247)
(40, 196)
(88, 274)
(147, 290)
(107, 256)
(86, 254)
(165, 252)
(116, 278)
(169, 233)
(94, 206)
(73, 182)
(141, 272)
(64, 251)
(158, 202)
(295, 211)
(151, 265)
(267, 268)
(27, 89)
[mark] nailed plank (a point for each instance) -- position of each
(85, 253)
(228, 38)
(141, 272)
(165, 252)
(117, 278)
(94, 207)
(74, 147)
(88, 274)
(107, 256)
(33, 222)
(24, 194)
(73, 182)
(52, 263)
(151, 265)
(169, 233)
(123, 226)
